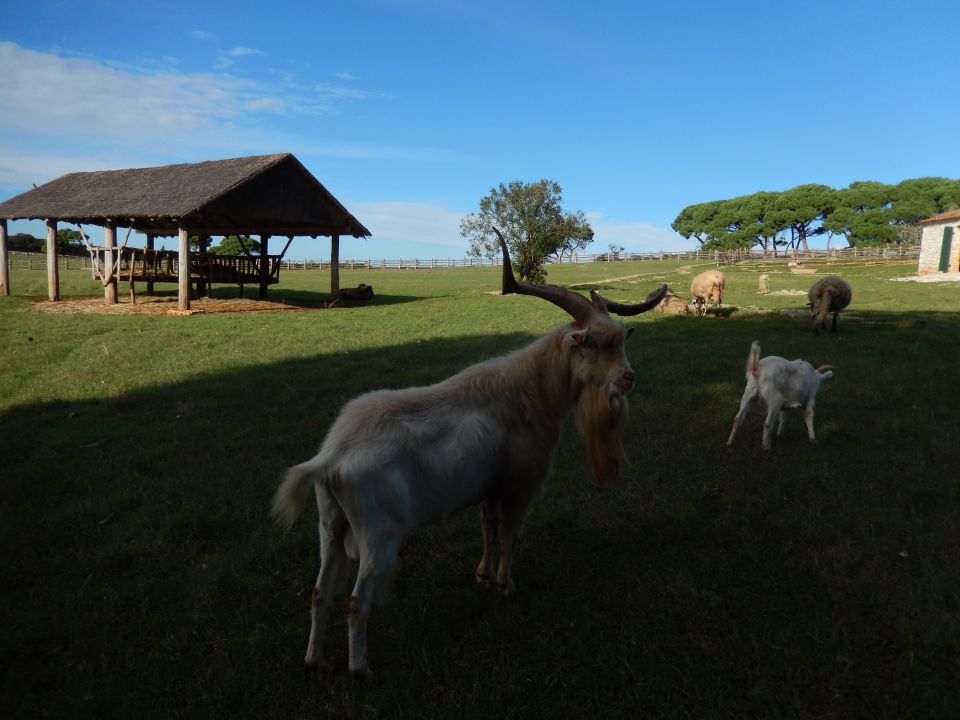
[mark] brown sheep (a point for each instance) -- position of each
(828, 294)
(708, 285)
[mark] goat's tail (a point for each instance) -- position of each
(294, 492)
(753, 359)
(825, 372)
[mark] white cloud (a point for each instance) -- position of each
(429, 223)
(64, 114)
(346, 76)
(635, 236)
(243, 51)
(202, 35)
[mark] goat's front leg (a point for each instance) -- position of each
(512, 514)
(781, 422)
(489, 522)
(768, 423)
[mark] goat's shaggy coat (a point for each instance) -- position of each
(782, 384)
(707, 286)
(827, 295)
(396, 459)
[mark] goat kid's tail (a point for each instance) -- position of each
(753, 359)
(294, 492)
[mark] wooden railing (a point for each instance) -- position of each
(166, 262)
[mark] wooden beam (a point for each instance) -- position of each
(53, 272)
(109, 258)
(334, 266)
(183, 275)
(4, 260)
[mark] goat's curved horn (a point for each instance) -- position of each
(575, 304)
(653, 299)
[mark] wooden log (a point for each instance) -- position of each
(53, 272)
(264, 265)
(334, 266)
(183, 274)
(4, 260)
(150, 242)
(109, 252)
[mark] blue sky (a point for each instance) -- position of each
(410, 111)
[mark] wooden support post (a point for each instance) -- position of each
(53, 272)
(183, 274)
(203, 287)
(4, 260)
(147, 257)
(264, 265)
(334, 267)
(109, 258)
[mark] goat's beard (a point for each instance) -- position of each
(600, 418)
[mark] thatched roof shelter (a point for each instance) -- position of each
(260, 195)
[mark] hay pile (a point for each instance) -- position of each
(673, 304)
(153, 305)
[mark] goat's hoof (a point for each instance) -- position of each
(507, 591)
(318, 665)
(482, 580)
(364, 674)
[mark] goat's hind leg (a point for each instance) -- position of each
(489, 522)
(748, 395)
(378, 555)
(333, 560)
(808, 419)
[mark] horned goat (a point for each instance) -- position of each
(828, 294)
(397, 459)
(781, 384)
(708, 285)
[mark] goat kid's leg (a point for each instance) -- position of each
(748, 395)
(781, 422)
(768, 423)
(808, 419)
(377, 560)
(489, 522)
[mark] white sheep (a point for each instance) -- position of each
(828, 294)
(708, 285)
(782, 384)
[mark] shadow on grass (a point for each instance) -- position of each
(142, 575)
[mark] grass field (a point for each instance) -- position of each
(143, 578)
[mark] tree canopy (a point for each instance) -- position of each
(533, 223)
(236, 245)
(864, 213)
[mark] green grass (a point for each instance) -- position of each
(142, 576)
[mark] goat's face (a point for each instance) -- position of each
(598, 363)
(598, 358)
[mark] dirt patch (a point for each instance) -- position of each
(147, 305)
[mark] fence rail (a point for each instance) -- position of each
(32, 261)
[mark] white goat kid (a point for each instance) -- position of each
(397, 459)
(781, 384)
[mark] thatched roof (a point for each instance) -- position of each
(261, 194)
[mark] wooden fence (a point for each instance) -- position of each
(32, 261)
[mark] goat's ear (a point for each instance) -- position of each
(578, 337)
(630, 331)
